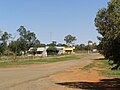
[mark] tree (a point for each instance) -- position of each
(38, 44)
(107, 22)
(27, 39)
(54, 43)
(69, 39)
(15, 46)
(4, 42)
(5, 37)
(80, 47)
(60, 44)
(2, 48)
(52, 50)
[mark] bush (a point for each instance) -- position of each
(8, 53)
(52, 50)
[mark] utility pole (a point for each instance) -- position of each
(50, 37)
(90, 44)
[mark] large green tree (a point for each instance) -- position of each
(15, 46)
(81, 47)
(4, 41)
(5, 37)
(107, 22)
(27, 39)
(69, 39)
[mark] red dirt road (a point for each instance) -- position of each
(43, 77)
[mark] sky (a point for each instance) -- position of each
(52, 20)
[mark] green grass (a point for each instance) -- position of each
(103, 64)
(9, 63)
(106, 69)
(110, 72)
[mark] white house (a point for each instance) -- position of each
(41, 51)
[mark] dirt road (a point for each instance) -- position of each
(37, 77)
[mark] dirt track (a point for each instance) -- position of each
(38, 77)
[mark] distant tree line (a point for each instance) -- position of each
(25, 40)
(86, 47)
(10, 45)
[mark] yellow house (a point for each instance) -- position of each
(68, 50)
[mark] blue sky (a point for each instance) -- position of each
(52, 19)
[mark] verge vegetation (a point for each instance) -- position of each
(103, 67)
(10, 63)
(106, 68)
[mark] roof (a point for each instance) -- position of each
(69, 48)
(41, 49)
(59, 48)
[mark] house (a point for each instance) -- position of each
(60, 50)
(41, 51)
(31, 51)
(66, 50)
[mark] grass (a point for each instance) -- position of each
(9, 63)
(88, 67)
(110, 73)
(106, 68)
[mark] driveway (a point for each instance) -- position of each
(37, 77)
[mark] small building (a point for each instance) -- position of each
(66, 50)
(60, 50)
(31, 51)
(41, 51)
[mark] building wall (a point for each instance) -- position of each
(68, 50)
(42, 51)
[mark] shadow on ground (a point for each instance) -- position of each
(104, 84)
(100, 59)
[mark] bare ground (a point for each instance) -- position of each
(65, 75)
(78, 79)
(77, 74)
